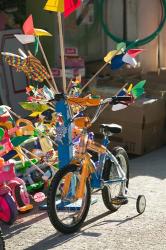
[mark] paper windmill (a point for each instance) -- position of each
(117, 58)
(135, 92)
(66, 6)
(30, 65)
(30, 32)
(36, 108)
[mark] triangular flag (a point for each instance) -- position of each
(70, 6)
(25, 39)
(55, 5)
(138, 89)
(121, 46)
(129, 60)
(118, 107)
(66, 6)
(34, 114)
(117, 62)
(28, 26)
(41, 32)
(134, 52)
(110, 55)
(35, 107)
(130, 88)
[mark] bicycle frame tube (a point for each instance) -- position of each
(87, 169)
(67, 181)
(119, 169)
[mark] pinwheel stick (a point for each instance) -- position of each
(93, 77)
(42, 134)
(33, 164)
(48, 66)
(37, 157)
(62, 51)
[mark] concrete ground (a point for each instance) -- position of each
(103, 230)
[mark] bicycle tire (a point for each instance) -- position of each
(108, 168)
(19, 198)
(2, 242)
(51, 202)
(10, 203)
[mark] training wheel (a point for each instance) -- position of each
(141, 204)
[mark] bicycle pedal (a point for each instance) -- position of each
(119, 201)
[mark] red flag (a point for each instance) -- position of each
(28, 26)
(70, 6)
(134, 52)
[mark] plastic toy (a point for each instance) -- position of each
(16, 186)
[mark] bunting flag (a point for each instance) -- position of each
(129, 60)
(121, 46)
(31, 66)
(134, 52)
(70, 6)
(117, 58)
(110, 55)
(66, 6)
(41, 32)
(88, 102)
(29, 29)
(28, 26)
(117, 62)
(35, 107)
(138, 89)
(25, 39)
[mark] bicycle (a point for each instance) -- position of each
(69, 195)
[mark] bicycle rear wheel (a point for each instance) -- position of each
(110, 193)
(65, 212)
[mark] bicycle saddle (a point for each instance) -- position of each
(111, 128)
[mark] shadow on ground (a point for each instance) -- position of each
(59, 239)
(151, 164)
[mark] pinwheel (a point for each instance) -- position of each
(32, 34)
(30, 65)
(135, 92)
(117, 58)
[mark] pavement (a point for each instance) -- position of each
(102, 230)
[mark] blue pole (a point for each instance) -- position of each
(65, 148)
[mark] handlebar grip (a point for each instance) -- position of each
(118, 99)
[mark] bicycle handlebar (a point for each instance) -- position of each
(126, 100)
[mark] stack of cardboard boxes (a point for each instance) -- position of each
(143, 122)
(74, 64)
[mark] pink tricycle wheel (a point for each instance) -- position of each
(8, 210)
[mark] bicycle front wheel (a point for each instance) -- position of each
(110, 193)
(65, 211)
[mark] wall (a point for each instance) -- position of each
(45, 20)
(142, 19)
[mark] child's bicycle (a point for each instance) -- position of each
(69, 196)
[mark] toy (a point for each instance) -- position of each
(16, 186)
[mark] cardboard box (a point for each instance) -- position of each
(71, 51)
(70, 73)
(143, 125)
(73, 62)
